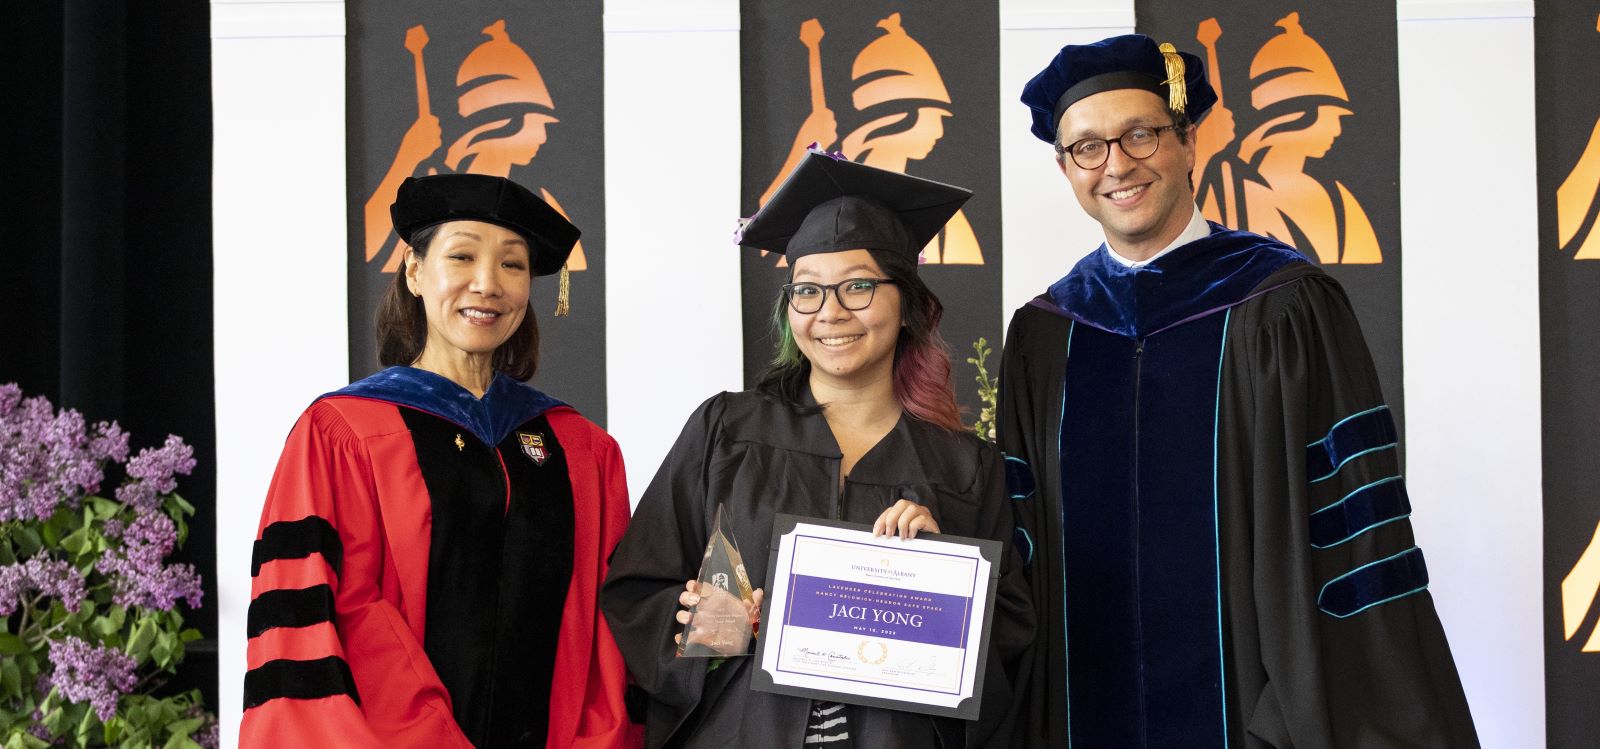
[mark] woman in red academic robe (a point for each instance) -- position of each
(426, 570)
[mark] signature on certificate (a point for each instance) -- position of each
(926, 664)
(826, 655)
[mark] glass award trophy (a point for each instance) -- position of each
(722, 624)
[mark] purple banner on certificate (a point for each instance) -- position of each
(879, 611)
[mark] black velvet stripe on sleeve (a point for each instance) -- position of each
(300, 680)
(290, 608)
(298, 539)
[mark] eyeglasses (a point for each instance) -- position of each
(1139, 143)
(852, 293)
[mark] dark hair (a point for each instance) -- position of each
(921, 356)
(402, 325)
(1181, 122)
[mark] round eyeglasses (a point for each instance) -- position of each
(852, 293)
(1138, 143)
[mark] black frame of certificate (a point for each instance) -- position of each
(967, 709)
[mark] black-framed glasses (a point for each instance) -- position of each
(853, 294)
(1138, 143)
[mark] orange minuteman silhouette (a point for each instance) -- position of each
(506, 107)
(900, 89)
(1578, 591)
(1575, 200)
(1261, 185)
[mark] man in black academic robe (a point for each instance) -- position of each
(1204, 470)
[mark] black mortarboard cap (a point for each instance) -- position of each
(1129, 61)
(422, 202)
(828, 204)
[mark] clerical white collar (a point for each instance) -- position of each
(1196, 229)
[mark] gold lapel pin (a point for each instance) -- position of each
(461, 444)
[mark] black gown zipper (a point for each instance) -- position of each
(1138, 561)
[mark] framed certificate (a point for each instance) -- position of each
(902, 625)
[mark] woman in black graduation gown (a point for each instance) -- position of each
(435, 535)
(854, 421)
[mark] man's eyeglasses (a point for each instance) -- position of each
(1139, 143)
(852, 293)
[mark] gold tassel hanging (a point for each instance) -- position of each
(564, 295)
(1177, 94)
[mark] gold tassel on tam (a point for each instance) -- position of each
(1177, 94)
(564, 295)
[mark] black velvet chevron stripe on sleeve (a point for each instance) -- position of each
(1374, 583)
(290, 608)
(1356, 435)
(303, 680)
(298, 539)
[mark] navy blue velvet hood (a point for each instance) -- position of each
(506, 405)
(1204, 276)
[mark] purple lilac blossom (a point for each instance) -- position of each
(36, 728)
(207, 734)
(138, 576)
(151, 474)
(10, 396)
(158, 465)
(53, 578)
(48, 459)
(86, 673)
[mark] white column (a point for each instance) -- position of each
(1045, 230)
(1471, 310)
(278, 213)
(673, 331)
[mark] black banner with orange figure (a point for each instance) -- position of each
(897, 85)
(1567, 44)
(1303, 144)
(481, 87)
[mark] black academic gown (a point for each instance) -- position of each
(760, 458)
(1211, 509)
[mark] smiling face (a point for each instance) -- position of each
(474, 283)
(1143, 204)
(850, 347)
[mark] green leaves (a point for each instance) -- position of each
(10, 679)
(21, 739)
(73, 541)
(988, 390)
(144, 635)
(11, 644)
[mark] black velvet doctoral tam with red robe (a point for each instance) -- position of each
(426, 573)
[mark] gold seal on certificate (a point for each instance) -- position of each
(877, 620)
(722, 624)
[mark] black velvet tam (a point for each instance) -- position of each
(1129, 61)
(427, 201)
(828, 204)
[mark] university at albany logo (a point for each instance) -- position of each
(1259, 182)
(1577, 226)
(899, 101)
(503, 113)
(533, 447)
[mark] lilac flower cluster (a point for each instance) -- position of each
(54, 578)
(50, 459)
(153, 472)
(208, 734)
(138, 575)
(86, 673)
